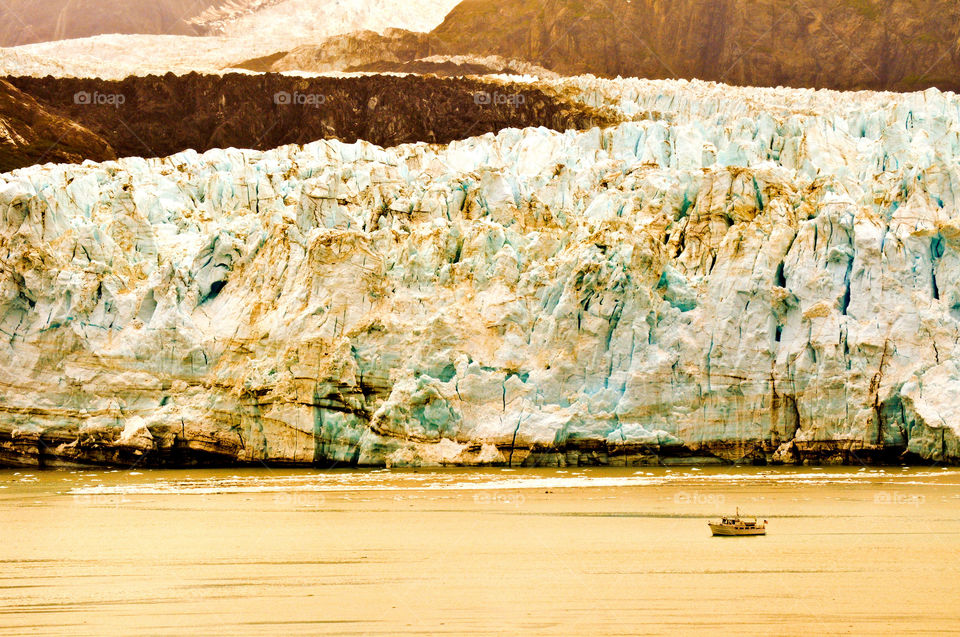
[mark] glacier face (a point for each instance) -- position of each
(744, 274)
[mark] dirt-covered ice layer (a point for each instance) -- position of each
(751, 276)
(156, 116)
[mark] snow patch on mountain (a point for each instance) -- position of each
(267, 30)
(215, 19)
(318, 19)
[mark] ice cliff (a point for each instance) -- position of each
(744, 274)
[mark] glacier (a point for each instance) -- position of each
(239, 30)
(733, 275)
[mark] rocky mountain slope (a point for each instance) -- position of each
(741, 274)
(296, 20)
(457, 66)
(393, 51)
(35, 21)
(850, 44)
(28, 21)
(338, 53)
(29, 134)
(155, 116)
(861, 44)
(220, 37)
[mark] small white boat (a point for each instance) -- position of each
(736, 526)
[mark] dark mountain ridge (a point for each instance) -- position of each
(30, 134)
(156, 116)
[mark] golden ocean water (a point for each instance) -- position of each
(464, 552)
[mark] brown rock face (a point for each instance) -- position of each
(157, 116)
(29, 134)
(29, 21)
(357, 49)
(442, 69)
(840, 44)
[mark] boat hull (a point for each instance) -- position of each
(736, 531)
